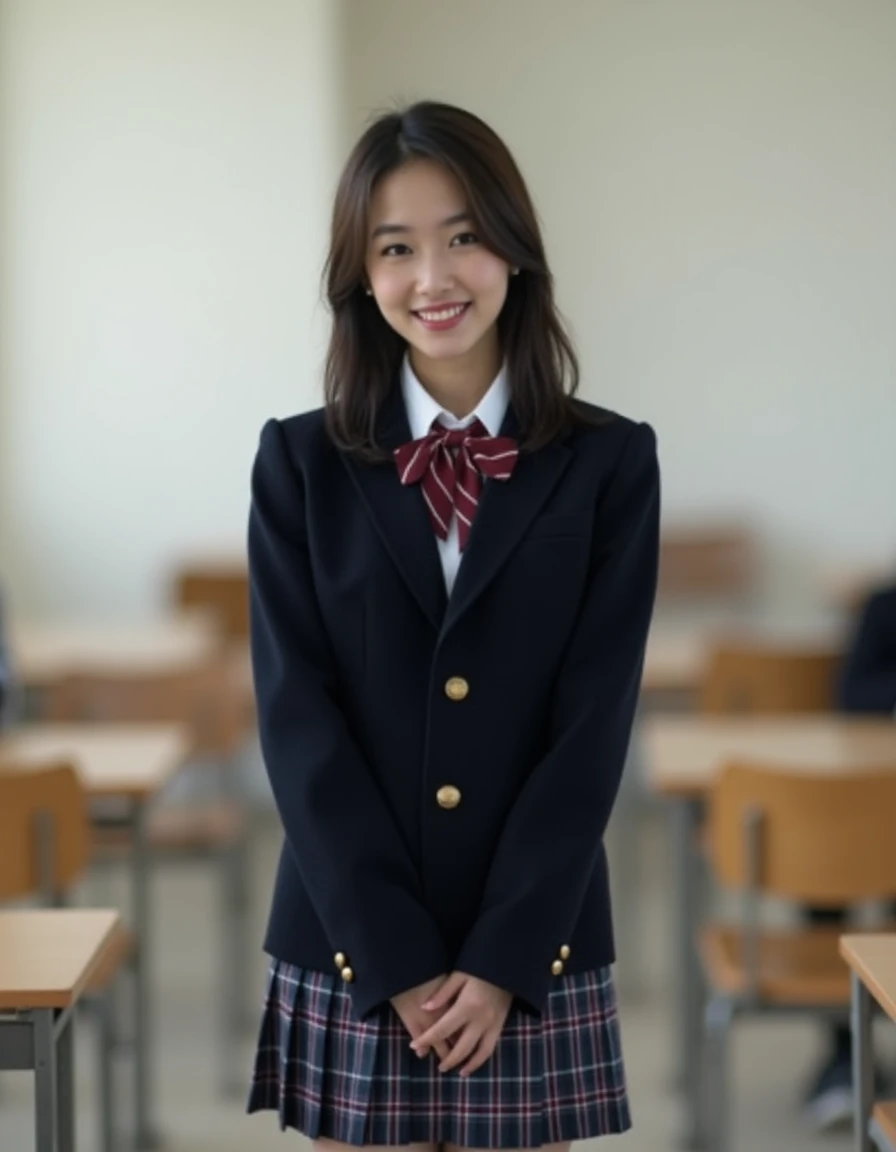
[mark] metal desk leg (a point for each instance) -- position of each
(65, 1083)
(861, 1064)
(145, 1137)
(688, 984)
(46, 1118)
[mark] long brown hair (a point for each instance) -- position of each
(365, 353)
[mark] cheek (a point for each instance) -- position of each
(489, 280)
(390, 288)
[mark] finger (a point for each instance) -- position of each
(453, 1021)
(462, 1050)
(441, 1047)
(443, 997)
(482, 1053)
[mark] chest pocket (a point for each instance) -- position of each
(559, 526)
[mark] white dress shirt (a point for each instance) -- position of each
(422, 409)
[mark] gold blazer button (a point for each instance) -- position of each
(565, 952)
(448, 796)
(557, 968)
(347, 975)
(457, 688)
(339, 960)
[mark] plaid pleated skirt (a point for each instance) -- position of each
(557, 1077)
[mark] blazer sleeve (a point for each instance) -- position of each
(868, 679)
(348, 849)
(549, 845)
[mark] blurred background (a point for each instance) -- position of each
(717, 186)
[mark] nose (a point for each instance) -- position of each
(433, 273)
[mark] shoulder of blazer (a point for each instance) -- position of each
(601, 426)
(305, 437)
(881, 606)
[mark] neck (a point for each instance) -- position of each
(459, 384)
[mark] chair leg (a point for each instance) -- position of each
(232, 992)
(719, 1015)
(242, 893)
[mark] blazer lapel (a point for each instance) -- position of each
(506, 508)
(400, 515)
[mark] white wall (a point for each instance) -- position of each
(718, 186)
(167, 170)
(717, 182)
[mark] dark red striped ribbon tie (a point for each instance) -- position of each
(449, 464)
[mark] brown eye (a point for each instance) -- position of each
(464, 239)
(395, 250)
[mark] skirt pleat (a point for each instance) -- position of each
(552, 1078)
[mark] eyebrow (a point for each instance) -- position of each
(396, 229)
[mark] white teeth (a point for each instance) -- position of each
(444, 314)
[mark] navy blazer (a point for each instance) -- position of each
(353, 643)
(868, 681)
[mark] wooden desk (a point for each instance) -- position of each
(47, 959)
(872, 959)
(679, 643)
(45, 651)
(683, 755)
(130, 764)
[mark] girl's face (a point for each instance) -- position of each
(433, 280)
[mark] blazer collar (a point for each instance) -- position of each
(506, 508)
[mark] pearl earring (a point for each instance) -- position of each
(514, 271)
(369, 291)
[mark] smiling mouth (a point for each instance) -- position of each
(439, 318)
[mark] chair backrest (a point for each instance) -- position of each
(820, 839)
(707, 563)
(206, 699)
(222, 589)
(44, 830)
(752, 677)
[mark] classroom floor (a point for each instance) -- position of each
(770, 1059)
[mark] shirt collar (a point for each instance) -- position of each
(422, 409)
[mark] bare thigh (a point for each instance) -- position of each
(335, 1146)
(544, 1148)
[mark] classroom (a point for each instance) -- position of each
(715, 186)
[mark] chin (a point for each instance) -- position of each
(442, 349)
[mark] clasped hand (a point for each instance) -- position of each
(459, 1017)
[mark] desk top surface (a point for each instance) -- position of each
(44, 651)
(684, 753)
(124, 761)
(47, 956)
(872, 957)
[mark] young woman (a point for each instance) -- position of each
(452, 573)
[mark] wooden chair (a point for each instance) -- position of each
(707, 563)
(808, 837)
(220, 587)
(751, 676)
(214, 829)
(45, 833)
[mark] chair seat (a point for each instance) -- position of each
(884, 1116)
(797, 967)
(210, 826)
(117, 953)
